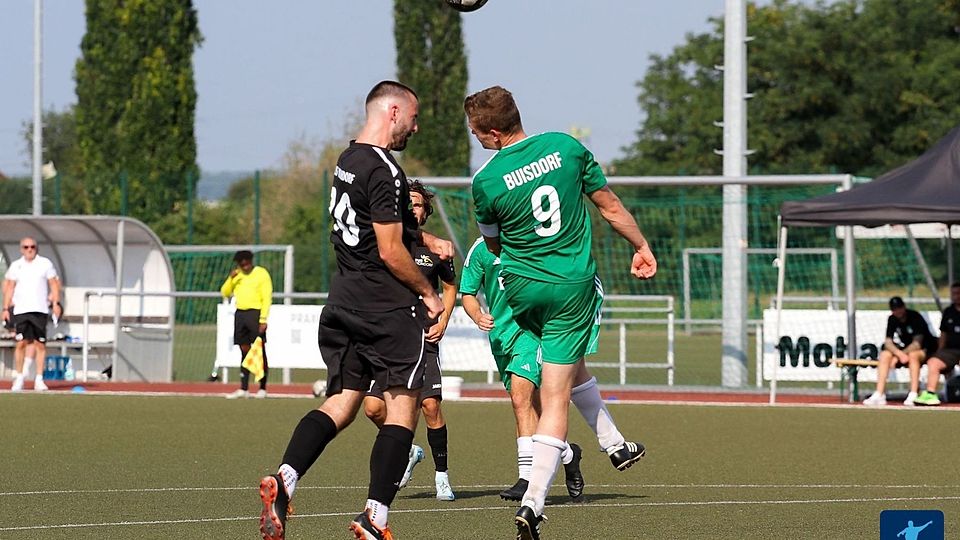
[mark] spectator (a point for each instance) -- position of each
(908, 343)
(31, 290)
(948, 350)
(252, 288)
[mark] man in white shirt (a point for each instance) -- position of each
(31, 289)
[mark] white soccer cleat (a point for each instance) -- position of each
(261, 394)
(17, 384)
(444, 491)
(238, 394)
(876, 400)
(416, 456)
(911, 397)
(38, 385)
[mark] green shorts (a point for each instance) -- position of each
(566, 316)
(522, 360)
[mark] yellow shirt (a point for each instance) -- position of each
(252, 291)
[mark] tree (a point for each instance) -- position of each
(136, 103)
(857, 86)
(431, 60)
(61, 147)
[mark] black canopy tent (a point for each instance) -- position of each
(925, 190)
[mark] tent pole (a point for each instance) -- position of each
(923, 267)
(949, 255)
(849, 268)
(781, 271)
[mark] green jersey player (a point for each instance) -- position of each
(530, 208)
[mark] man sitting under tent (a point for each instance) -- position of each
(908, 343)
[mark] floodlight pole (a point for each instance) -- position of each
(734, 334)
(37, 106)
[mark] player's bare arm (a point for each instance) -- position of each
(54, 297)
(492, 241)
(7, 299)
(398, 260)
(435, 332)
(441, 247)
(644, 264)
(472, 307)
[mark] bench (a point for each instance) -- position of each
(849, 367)
(99, 351)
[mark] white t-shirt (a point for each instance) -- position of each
(32, 288)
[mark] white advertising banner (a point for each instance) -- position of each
(810, 338)
(292, 340)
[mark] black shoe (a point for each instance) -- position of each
(273, 517)
(213, 377)
(574, 478)
(628, 454)
(363, 528)
(528, 524)
(516, 491)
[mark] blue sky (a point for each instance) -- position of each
(269, 73)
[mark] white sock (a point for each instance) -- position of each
(27, 362)
(16, 374)
(566, 455)
(378, 512)
(290, 477)
(586, 398)
(546, 458)
(39, 378)
(524, 456)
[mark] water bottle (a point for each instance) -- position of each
(68, 370)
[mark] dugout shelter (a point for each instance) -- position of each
(925, 190)
(116, 283)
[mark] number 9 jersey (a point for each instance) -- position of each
(532, 191)
(368, 186)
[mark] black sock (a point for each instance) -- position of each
(438, 447)
(388, 461)
(310, 437)
(244, 378)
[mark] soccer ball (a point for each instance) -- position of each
(319, 387)
(466, 5)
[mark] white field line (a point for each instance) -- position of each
(480, 486)
(485, 509)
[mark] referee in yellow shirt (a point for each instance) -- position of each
(252, 288)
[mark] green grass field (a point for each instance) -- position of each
(86, 466)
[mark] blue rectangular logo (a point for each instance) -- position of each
(911, 525)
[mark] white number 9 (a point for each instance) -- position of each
(551, 213)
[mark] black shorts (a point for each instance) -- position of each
(31, 326)
(950, 357)
(432, 375)
(386, 348)
(246, 327)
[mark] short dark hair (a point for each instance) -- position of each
(897, 302)
(493, 108)
(416, 186)
(243, 255)
(955, 285)
(389, 88)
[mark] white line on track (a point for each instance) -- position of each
(484, 509)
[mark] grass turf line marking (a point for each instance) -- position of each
(491, 486)
(479, 509)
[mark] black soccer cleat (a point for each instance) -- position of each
(363, 528)
(627, 454)
(276, 506)
(528, 524)
(574, 478)
(516, 491)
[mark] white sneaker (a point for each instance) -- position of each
(261, 394)
(444, 491)
(911, 397)
(17, 384)
(238, 393)
(416, 456)
(38, 385)
(876, 400)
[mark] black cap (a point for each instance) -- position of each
(896, 302)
